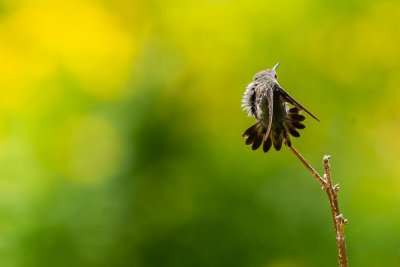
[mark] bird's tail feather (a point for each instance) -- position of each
(255, 137)
(256, 134)
(293, 123)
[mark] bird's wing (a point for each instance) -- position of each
(292, 101)
(270, 98)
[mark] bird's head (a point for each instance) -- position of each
(266, 75)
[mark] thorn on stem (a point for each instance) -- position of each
(336, 187)
(341, 219)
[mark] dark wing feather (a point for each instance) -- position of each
(292, 101)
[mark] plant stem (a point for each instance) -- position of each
(338, 220)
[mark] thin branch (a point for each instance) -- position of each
(308, 166)
(338, 220)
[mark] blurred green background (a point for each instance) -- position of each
(120, 133)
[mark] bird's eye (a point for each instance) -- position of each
(276, 76)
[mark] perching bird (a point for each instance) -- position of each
(266, 101)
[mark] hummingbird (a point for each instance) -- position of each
(266, 101)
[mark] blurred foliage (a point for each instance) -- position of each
(120, 132)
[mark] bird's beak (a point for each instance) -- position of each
(277, 64)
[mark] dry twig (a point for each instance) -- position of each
(338, 219)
